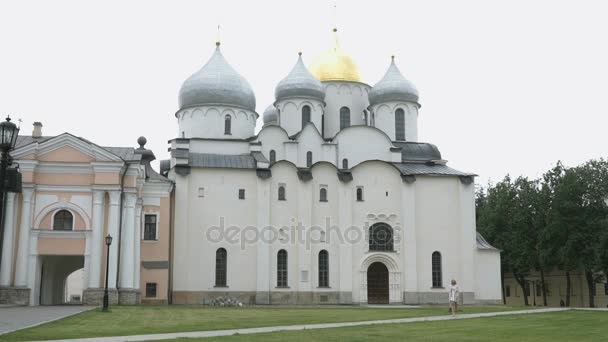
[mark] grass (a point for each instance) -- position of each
(554, 327)
(136, 320)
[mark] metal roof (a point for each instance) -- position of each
(299, 83)
(427, 169)
(415, 151)
(222, 161)
(125, 153)
(483, 244)
(393, 87)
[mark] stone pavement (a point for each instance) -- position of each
(20, 317)
(215, 333)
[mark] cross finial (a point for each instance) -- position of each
(217, 41)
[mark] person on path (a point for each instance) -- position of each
(454, 294)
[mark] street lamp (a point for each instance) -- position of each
(105, 292)
(8, 137)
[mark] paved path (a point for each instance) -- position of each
(215, 333)
(20, 317)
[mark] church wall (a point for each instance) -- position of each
(290, 117)
(219, 147)
(339, 94)
(488, 286)
(359, 144)
(384, 116)
(208, 122)
(309, 140)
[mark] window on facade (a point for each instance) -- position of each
(399, 124)
(150, 290)
(273, 156)
(305, 115)
(241, 193)
(380, 237)
(323, 195)
(527, 287)
(539, 290)
(282, 268)
(150, 227)
(606, 289)
(63, 220)
(360, 194)
(345, 163)
(365, 117)
(220, 267)
(308, 159)
(228, 125)
(344, 117)
(323, 269)
(282, 193)
(507, 291)
(201, 192)
(436, 269)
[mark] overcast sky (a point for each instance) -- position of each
(505, 86)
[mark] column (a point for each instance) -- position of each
(408, 245)
(6, 269)
(97, 240)
(113, 222)
(137, 239)
(263, 245)
(24, 236)
(127, 243)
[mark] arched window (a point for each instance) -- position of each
(323, 195)
(220, 267)
(63, 220)
(436, 268)
(282, 193)
(308, 159)
(380, 237)
(305, 115)
(360, 194)
(227, 124)
(507, 291)
(323, 269)
(345, 163)
(344, 117)
(282, 268)
(273, 156)
(399, 124)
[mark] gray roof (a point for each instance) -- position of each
(415, 151)
(393, 87)
(125, 153)
(217, 83)
(259, 157)
(271, 115)
(483, 244)
(299, 83)
(414, 169)
(23, 140)
(222, 161)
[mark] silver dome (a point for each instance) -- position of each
(299, 83)
(271, 115)
(393, 87)
(217, 83)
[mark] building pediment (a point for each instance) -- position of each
(65, 148)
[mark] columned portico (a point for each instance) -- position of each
(128, 293)
(97, 240)
(21, 272)
(113, 223)
(6, 269)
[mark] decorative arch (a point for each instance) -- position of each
(394, 279)
(63, 219)
(57, 206)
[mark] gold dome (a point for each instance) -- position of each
(335, 65)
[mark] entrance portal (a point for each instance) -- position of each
(377, 284)
(54, 287)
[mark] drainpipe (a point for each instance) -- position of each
(171, 230)
(122, 192)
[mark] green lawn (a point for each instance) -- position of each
(136, 320)
(555, 326)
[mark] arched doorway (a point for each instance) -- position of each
(377, 284)
(54, 273)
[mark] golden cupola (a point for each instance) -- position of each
(335, 65)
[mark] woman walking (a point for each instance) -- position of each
(454, 294)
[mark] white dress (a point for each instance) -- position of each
(453, 293)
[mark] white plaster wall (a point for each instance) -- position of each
(340, 94)
(273, 138)
(290, 113)
(219, 147)
(384, 118)
(309, 140)
(487, 275)
(208, 122)
(362, 143)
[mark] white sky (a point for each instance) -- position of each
(505, 86)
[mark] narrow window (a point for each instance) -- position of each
(242, 194)
(282, 193)
(539, 290)
(305, 115)
(201, 192)
(323, 195)
(365, 117)
(508, 291)
(150, 290)
(282, 268)
(399, 124)
(345, 163)
(220, 267)
(308, 159)
(436, 270)
(63, 220)
(380, 237)
(150, 227)
(273, 156)
(323, 269)
(344, 117)
(227, 125)
(360, 194)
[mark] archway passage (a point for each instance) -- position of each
(54, 272)
(377, 284)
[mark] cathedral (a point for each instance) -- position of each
(333, 201)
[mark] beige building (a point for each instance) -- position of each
(74, 194)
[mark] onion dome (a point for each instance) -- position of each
(393, 87)
(217, 83)
(335, 65)
(299, 83)
(271, 116)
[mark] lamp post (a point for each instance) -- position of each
(106, 301)
(8, 137)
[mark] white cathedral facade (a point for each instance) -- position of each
(334, 201)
